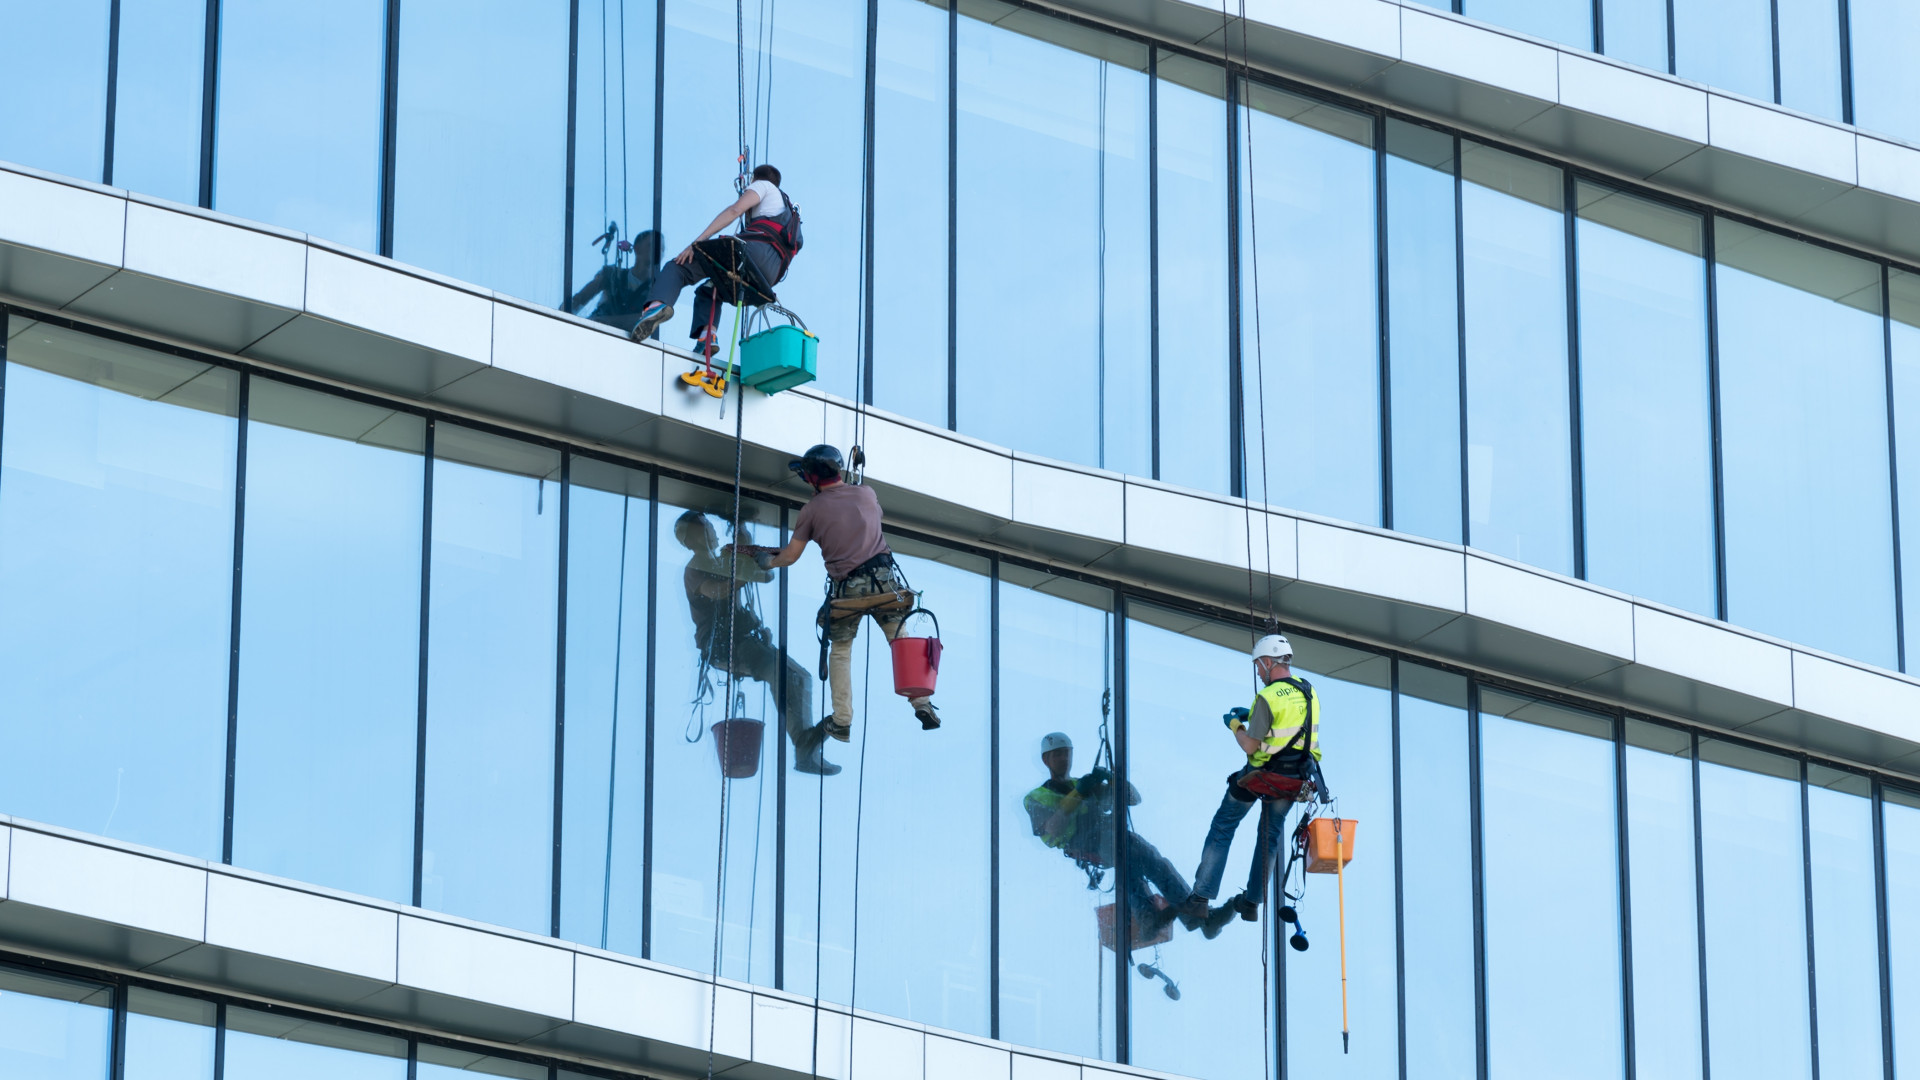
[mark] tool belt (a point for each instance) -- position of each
(840, 605)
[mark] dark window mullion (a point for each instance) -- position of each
(865, 387)
(1382, 317)
(1622, 840)
(1153, 255)
(953, 215)
(573, 125)
(993, 798)
(560, 687)
(1574, 431)
(1878, 809)
(209, 99)
(1700, 910)
(1460, 333)
(653, 610)
(1714, 422)
(233, 617)
(390, 125)
(1122, 969)
(1806, 880)
(113, 89)
(1479, 880)
(420, 717)
(1237, 465)
(1399, 880)
(1846, 62)
(1893, 466)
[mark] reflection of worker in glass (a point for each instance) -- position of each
(768, 244)
(1280, 735)
(621, 284)
(754, 653)
(1076, 816)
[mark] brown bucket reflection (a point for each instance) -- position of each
(737, 741)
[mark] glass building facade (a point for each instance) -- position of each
(194, 554)
(1251, 288)
(343, 638)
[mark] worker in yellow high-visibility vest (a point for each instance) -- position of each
(1280, 735)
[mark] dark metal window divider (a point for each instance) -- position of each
(1383, 306)
(1153, 258)
(1477, 849)
(1622, 840)
(869, 147)
(1878, 797)
(659, 118)
(1700, 908)
(653, 606)
(780, 788)
(209, 100)
(420, 720)
(1460, 343)
(953, 215)
(1600, 46)
(117, 1054)
(1399, 876)
(233, 616)
(993, 797)
(220, 1040)
(560, 686)
(1806, 881)
(113, 90)
(1893, 465)
(1710, 253)
(1122, 777)
(390, 125)
(1773, 17)
(573, 134)
(1846, 61)
(1672, 42)
(1570, 189)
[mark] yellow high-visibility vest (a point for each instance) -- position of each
(1291, 706)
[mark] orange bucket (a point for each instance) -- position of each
(1322, 848)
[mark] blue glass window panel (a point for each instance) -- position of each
(1885, 37)
(116, 558)
(1126, 302)
(1519, 480)
(613, 156)
(264, 1046)
(1900, 819)
(1812, 434)
(1307, 228)
(168, 1037)
(812, 133)
(1569, 22)
(1636, 31)
(1358, 741)
(490, 711)
(1810, 56)
(1436, 836)
(298, 129)
(1195, 433)
(1178, 684)
(1056, 981)
(1423, 313)
(1903, 289)
(910, 205)
(329, 642)
(156, 126)
(1052, 125)
(1756, 914)
(1645, 418)
(1846, 938)
(52, 1028)
(609, 523)
(1550, 866)
(689, 698)
(60, 124)
(943, 980)
(1666, 942)
(481, 172)
(1726, 44)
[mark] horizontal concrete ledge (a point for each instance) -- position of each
(80, 898)
(363, 321)
(1813, 175)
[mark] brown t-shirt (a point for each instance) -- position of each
(845, 521)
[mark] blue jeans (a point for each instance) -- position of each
(1226, 820)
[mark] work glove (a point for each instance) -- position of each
(1235, 719)
(1094, 783)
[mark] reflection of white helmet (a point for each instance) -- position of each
(1275, 646)
(1056, 741)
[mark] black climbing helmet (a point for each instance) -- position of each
(819, 464)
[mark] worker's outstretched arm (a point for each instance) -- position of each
(1260, 720)
(747, 201)
(788, 555)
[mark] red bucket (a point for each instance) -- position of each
(916, 660)
(737, 741)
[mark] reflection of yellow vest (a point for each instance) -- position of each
(1290, 706)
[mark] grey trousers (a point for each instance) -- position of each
(674, 277)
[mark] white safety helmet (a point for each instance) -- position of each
(1275, 647)
(1056, 741)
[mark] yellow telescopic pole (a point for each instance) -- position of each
(1340, 871)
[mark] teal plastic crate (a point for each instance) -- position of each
(778, 359)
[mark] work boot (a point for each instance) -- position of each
(1153, 920)
(842, 732)
(1248, 906)
(1218, 918)
(651, 317)
(808, 756)
(1190, 916)
(1193, 911)
(928, 717)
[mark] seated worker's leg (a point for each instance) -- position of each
(1145, 860)
(666, 289)
(703, 330)
(1273, 828)
(761, 659)
(1213, 854)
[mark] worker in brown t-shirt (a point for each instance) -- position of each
(844, 519)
